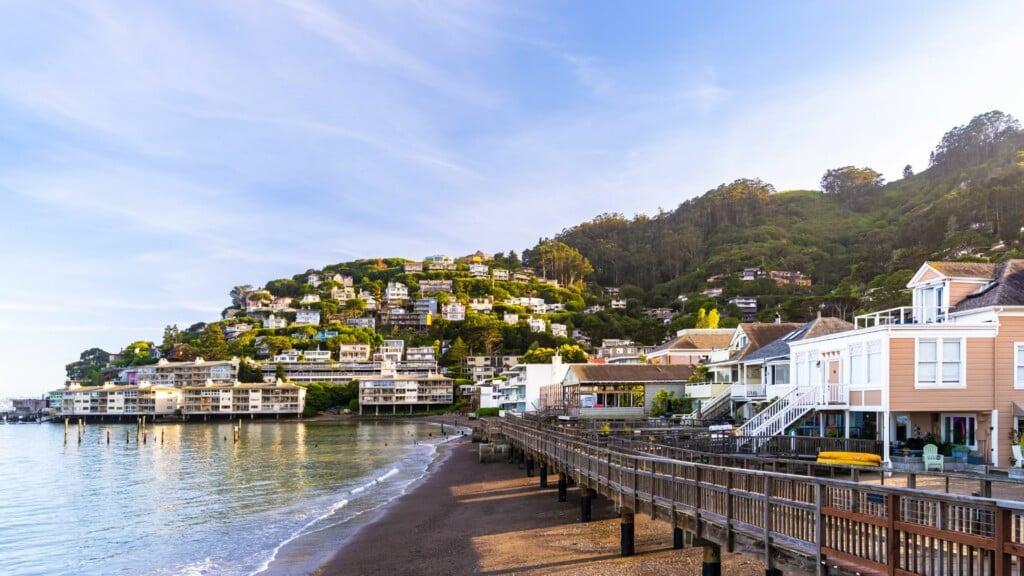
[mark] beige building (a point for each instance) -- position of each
(397, 393)
(948, 368)
(239, 399)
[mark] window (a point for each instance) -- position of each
(1018, 363)
(959, 429)
(874, 362)
(856, 364)
(940, 362)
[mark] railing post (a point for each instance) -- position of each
(1003, 533)
(562, 486)
(543, 474)
(892, 545)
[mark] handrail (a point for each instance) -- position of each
(724, 396)
(875, 529)
(773, 420)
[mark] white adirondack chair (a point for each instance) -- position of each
(1018, 457)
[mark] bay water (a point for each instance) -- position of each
(189, 500)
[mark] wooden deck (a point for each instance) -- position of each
(825, 523)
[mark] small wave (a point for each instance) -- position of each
(305, 529)
(199, 568)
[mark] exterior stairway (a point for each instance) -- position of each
(713, 408)
(784, 412)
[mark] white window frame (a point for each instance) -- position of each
(968, 415)
(1018, 365)
(938, 383)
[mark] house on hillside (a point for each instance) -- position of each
(307, 317)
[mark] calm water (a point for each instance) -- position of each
(190, 501)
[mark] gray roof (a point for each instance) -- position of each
(813, 329)
(1006, 288)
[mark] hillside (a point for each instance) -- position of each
(969, 202)
(851, 246)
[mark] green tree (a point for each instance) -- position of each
(172, 336)
(211, 344)
(855, 187)
(662, 403)
(238, 295)
(249, 371)
(279, 373)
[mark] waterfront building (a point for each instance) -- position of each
(520, 393)
(242, 399)
(694, 346)
(617, 390)
(113, 400)
(397, 393)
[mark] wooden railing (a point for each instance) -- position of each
(861, 528)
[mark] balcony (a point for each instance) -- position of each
(749, 391)
(902, 315)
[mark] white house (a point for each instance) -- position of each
(273, 322)
(307, 317)
(396, 292)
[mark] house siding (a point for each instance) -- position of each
(904, 397)
(959, 290)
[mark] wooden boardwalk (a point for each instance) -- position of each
(825, 523)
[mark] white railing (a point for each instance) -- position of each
(749, 391)
(773, 420)
(711, 405)
(902, 315)
(832, 394)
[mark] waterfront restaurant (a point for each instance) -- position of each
(620, 390)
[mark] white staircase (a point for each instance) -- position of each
(773, 420)
(712, 407)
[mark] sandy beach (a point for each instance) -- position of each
(472, 518)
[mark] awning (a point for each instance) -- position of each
(1018, 408)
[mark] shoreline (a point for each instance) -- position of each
(467, 517)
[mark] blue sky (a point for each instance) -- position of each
(153, 155)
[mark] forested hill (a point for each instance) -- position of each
(968, 202)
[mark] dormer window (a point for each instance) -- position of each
(931, 303)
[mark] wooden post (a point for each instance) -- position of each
(543, 474)
(712, 560)
(677, 538)
(626, 533)
(108, 436)
(892, 505)
(585, 496)
(562, 487)
(529, 467)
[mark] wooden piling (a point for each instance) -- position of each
(627, 531)
(712, 560)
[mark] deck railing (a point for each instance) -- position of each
(866, 528)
